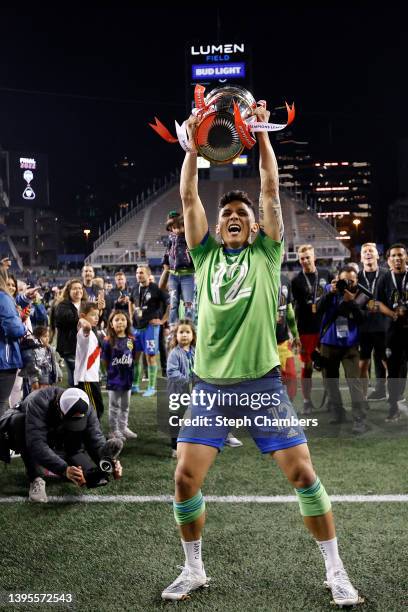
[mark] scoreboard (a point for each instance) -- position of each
(28, 179)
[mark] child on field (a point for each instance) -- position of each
(178, 269)
(180, 364)
(41, 361)
(118, 355)
(88, 356)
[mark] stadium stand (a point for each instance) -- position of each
(140, 234)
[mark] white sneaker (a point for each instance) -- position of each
(232, 441)
(187, 582)
(174, 453)
(129, 434)
(37, 491)
(116, 434)
(343, 592)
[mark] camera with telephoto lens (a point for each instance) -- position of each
(95, 477)
(343, 285)
(99, 475)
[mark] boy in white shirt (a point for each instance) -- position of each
(88, 356)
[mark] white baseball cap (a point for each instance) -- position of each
(74, 404)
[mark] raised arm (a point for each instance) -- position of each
(270, 213)
(195, 220)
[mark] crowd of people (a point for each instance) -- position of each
(118, 337)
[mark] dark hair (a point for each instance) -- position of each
(87, 307)
(40, 331)
(396, 245)
(173, 341)
(67, 288)
(112, 337)
(236, 195)
(13, 278)
(348, 268)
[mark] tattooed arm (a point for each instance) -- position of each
(270, 212)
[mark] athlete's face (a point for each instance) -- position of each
(120, 280)
(236, 222)
(369, 256)
(307, 260)
(397, 260)
(184, 335)
(119, 323)
(142, 276)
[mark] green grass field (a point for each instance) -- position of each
(119, 556)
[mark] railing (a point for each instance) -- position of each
(145, 201)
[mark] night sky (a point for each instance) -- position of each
(81, 82)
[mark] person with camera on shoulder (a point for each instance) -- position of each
(341, 307)
(58, 430)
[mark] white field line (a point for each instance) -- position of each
(223, 499)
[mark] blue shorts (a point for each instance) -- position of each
(262, 406)
(147, 339)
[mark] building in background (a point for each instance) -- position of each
(398, 211)
(339, 191)
(29, 226)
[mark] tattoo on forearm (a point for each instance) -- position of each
(276, 210)
(261, 212)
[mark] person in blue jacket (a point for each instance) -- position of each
(11, 329)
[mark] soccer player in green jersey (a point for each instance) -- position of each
(237, 364)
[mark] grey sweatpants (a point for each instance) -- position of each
(118, 410)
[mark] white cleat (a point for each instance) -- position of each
(232, 441)
(188, 581)
(37, 491)
(129, 434)
(343, 592)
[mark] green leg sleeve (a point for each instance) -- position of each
(152, 375)
(314, 500)
(189, 510)
(137, 379)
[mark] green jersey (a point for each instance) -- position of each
(237, 294)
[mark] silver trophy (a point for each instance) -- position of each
(216, 137)
(226, 123)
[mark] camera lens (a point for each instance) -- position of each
(106, 465)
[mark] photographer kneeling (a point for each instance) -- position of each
(339, 344)
(56, 429)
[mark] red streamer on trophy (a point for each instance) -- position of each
(291, 112)
(243, 129)
(199, 100)
(162, 131)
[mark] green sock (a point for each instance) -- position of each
(152, 374)
(137, 378)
